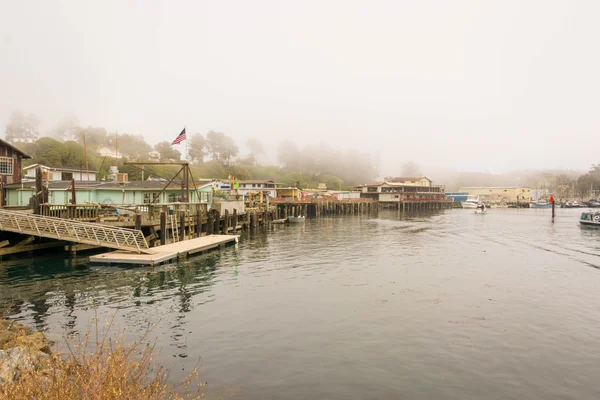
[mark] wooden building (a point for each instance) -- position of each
(10, 167)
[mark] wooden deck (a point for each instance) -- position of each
(168, 252)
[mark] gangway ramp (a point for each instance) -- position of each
(74, 231)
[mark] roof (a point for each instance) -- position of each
(493, 187)
(10, 146)
(259, 181)
(408, 178)
(59, 168)
(132, 185)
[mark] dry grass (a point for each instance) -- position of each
(100, 366)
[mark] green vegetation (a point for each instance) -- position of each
(298, 166)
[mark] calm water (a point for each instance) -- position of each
(438, 306)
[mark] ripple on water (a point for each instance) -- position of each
(443, 305)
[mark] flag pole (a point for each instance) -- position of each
(186, 145)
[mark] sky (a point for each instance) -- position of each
(477, 85)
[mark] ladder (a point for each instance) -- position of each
(174, 230)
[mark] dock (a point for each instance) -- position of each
(165, 253)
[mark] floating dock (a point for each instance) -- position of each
(165, 253)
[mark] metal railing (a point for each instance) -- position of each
(74, 231)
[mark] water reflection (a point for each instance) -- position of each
(421, 305)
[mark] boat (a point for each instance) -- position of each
(590, 218)
(471, 202)
(478, 211)
(571, 204)
(539, 204)
(296, 220)
(593, 203)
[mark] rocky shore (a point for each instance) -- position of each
(21, 350)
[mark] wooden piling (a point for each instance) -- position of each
(226, 223)
(163, 228)
(182, 225)
(138, 222)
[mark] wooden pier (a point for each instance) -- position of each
(166, 253)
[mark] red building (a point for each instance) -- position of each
(10, 166)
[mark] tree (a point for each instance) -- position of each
(221, 147)
(66, 129)
(133, 146)
(167, 151)
(229, 151)
(22, 128)
(94, 137)
(256, 148)
(287, 154)
(197, 148)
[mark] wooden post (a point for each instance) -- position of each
(226, 223)
(235, 219)
(217, 222)
(138, 222)
(182, 221)
(163, 228)
(199, 224)
(210, 225)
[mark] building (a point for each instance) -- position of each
(10, 163)
(288, 193)
(507, 194)
(457, 197)
(55, 174)
(268, 187)
(411, 181)
(109, 193)
(154, 155)
(108, 152)
(405, 190)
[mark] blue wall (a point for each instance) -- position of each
(458, 197)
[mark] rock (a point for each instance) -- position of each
(6, 337)
(14, 326)
(15, 361)
(34, 342)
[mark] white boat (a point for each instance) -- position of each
(471, 202)
(539, 204)
(590, 218)
(480, 211)
(296, 220)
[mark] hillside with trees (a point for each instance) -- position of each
(211, 155)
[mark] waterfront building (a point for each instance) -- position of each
(55, 174)
(508, 194)
(403, 190)
(109, 193)
(267, 187)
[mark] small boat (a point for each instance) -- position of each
(590, 218)
(539, 204)
(571, 204)
(471, 202)
(296, 220)
(593, 203)
(479, 211)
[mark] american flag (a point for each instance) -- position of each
(180, 138)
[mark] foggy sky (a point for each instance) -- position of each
(472, 85)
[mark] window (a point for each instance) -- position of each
(7, 166)
(174, 198)
(66, 176)
(151, 197)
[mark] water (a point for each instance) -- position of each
(442, 306)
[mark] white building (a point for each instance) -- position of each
(108, 152)
(268, 188)
(154, 155)
(411, 181)
(56, 174)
